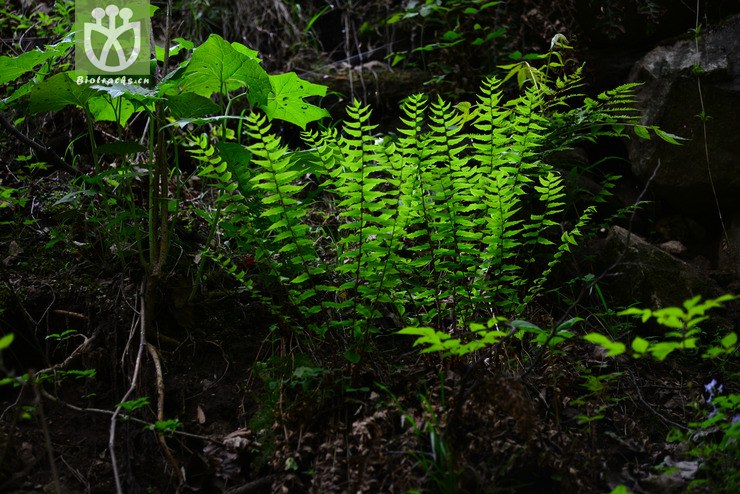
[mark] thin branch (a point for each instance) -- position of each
(121, 417)
(160, 412)
(45, 430)
(647, 405)
(134, 378)
(41, 151)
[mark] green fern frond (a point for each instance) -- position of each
(284, 209)
(456, 217)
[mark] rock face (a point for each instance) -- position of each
(670, 99)
(650, 275)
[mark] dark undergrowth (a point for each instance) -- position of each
(193, 303)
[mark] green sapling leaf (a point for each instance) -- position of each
(729, 341)
(642, 132)
(132, 405)
(667, 137)
(6, 340)
(640, 345)
(191, 105)
(613, 348)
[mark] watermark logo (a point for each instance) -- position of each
(112, 37)
(112, 33)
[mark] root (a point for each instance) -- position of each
(160, 412)
(131, 389)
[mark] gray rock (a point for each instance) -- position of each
(674, 247)
(650, 276)
(670, 99)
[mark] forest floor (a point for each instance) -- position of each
(266, 411)
(262, 407)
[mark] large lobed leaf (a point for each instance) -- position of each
(219, 67)
(286, 100)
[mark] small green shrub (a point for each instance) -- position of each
(440, 26)
(715, 437)
(683, 331)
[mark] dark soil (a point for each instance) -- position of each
(256, 424)
(267, 408)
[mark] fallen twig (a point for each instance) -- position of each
(41, 151)
(132, 387)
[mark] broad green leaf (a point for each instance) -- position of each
(689, 343)
(569, 323)
(181, 44)
(642, 132)
(132, 405)
(525, 325)
(352, 357)
(640, 345)
(11, 68)
(663, 349)
(612, 348)
(451, 36)
(246, 51)
(131, 91)
(670, 138)
(103, 109)
(644, 314)
(57, 92)
(300, 278)
(17, 94)
(729, 341)
(216, 67)
(688, 304)
(286, 100)
(672, 317)
(191, 105)
(413, 331)
(6, 340)
(620, 489)
(476, 327)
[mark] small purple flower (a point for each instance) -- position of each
(709, 388)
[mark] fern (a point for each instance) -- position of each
(361, 209)
(295, 255)
(457, 218)
(418, 262)
(230, 267)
